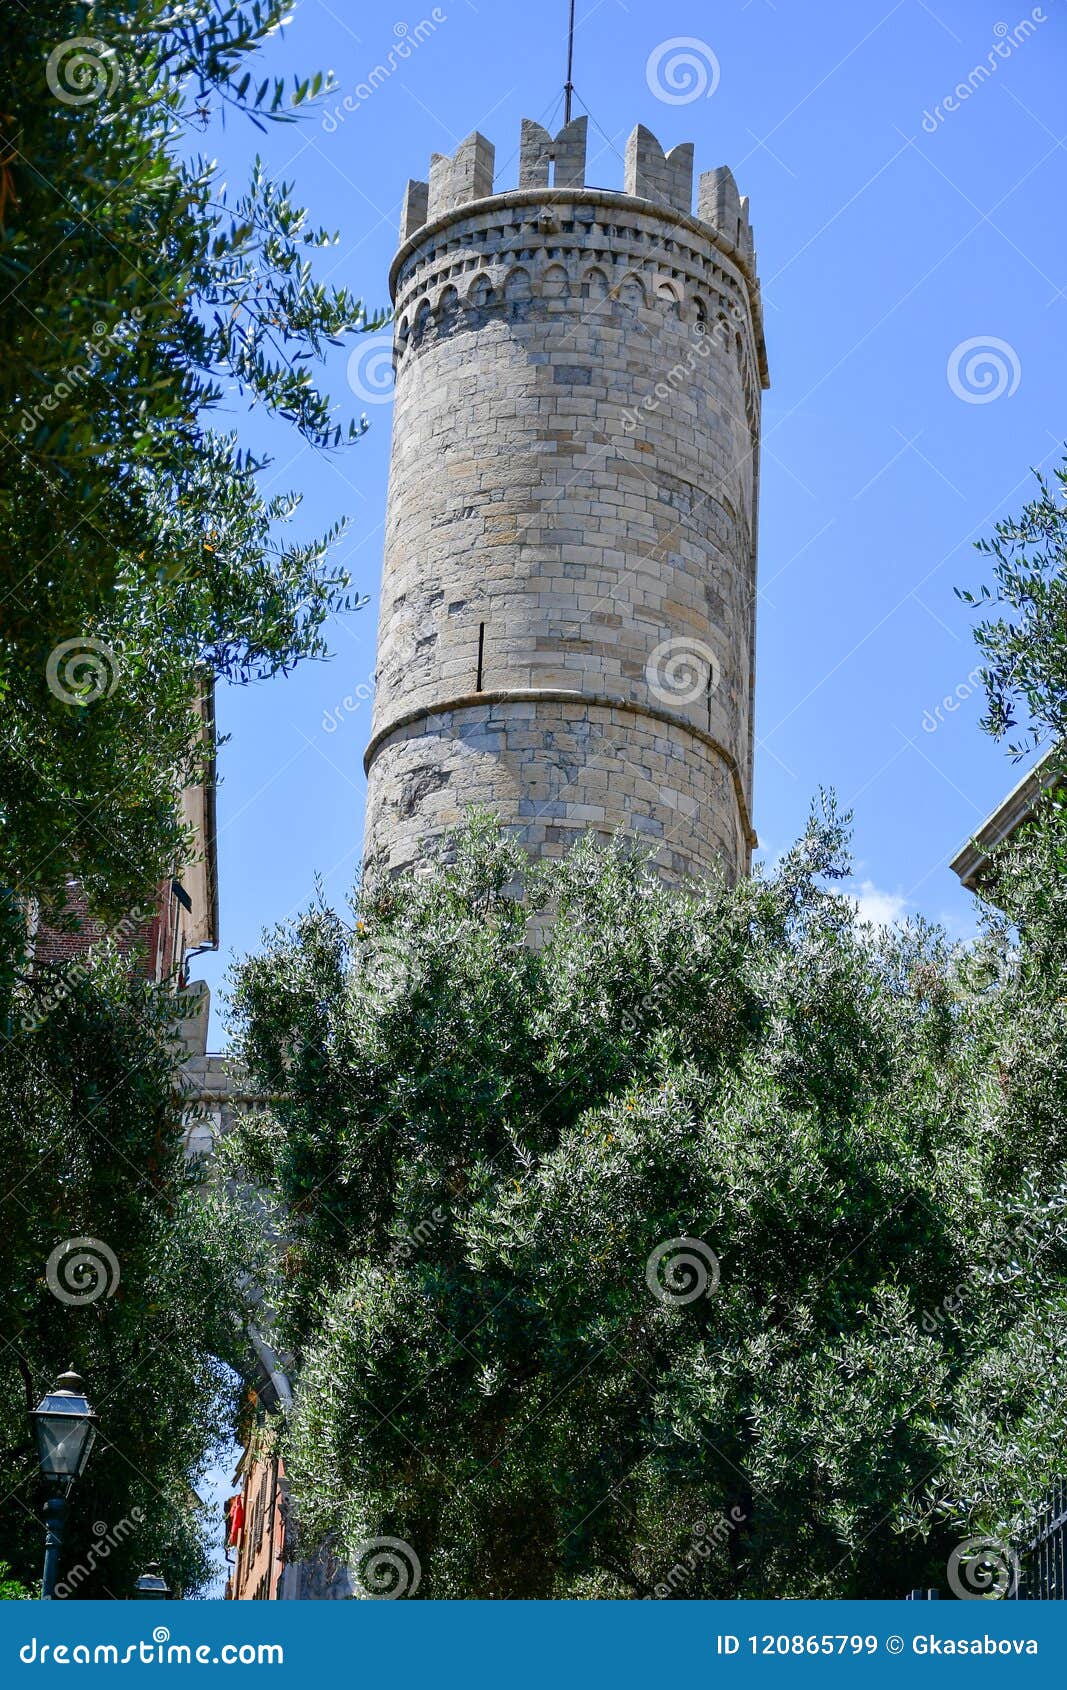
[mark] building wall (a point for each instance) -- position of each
(261, 1540)
(609, 766)
(568, 600)
(145, 934)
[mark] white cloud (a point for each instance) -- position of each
(874, 905)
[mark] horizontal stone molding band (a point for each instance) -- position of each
(611, 200)
(585, 701)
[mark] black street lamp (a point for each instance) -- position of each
(65, 1426)
(151, 1585)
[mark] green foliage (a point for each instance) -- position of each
(484, 1142)
(91, 1148)
(139, 295)
(1025, 646)
(1005, 1441)
(10, 1589)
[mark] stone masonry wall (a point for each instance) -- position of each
(567, 614)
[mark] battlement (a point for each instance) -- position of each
(556, 163)
(548, 163)
(651, 174)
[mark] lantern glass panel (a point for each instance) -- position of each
(65, 1435)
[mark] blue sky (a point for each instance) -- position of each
(896, 240)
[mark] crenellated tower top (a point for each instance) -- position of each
(547, 162)
(557, 165)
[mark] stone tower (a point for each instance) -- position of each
(568, 594)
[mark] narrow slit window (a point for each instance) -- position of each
(481, 657)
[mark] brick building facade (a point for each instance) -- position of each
(255, 1524)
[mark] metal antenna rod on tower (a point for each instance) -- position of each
(568, 86)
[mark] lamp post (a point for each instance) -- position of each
(152, 1585)
(65, 1426)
